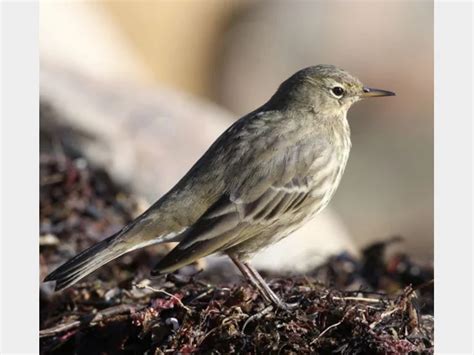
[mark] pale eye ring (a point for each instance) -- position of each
(337, 91)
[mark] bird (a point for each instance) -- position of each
(263, 178)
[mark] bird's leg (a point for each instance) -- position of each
(250, 278)
(252, 275)
(270, 294)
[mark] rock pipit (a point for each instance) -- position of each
(263, 178)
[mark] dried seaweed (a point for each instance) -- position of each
(373, 305)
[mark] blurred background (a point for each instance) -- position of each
(146, 86)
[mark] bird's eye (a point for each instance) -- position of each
(337, 91)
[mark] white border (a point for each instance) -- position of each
(453, 177)
(1, 165)
(19, 140)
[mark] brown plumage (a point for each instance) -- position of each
(263, 178)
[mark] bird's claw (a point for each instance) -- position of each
(287, 306)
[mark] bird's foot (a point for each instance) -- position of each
(287, 306)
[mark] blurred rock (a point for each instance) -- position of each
(177, 40)
(82, 35)
(147, 138)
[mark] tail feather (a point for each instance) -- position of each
(129, 238)
(85, 262)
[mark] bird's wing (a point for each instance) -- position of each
(269, 190)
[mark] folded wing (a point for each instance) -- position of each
(238, 214)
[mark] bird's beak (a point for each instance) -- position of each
(371, 92)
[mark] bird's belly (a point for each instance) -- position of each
(323, 182)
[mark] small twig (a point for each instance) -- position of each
(204, 294)
(258, 315)
(90, 320)
(383, 316)
(327, 330)
(165, 293)
(60, 328)
(332, 326)
(359, 299)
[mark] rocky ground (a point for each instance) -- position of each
(381, 303)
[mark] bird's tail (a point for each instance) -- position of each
(100, 254)
(86, 262)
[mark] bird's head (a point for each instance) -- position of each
(324, 88)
